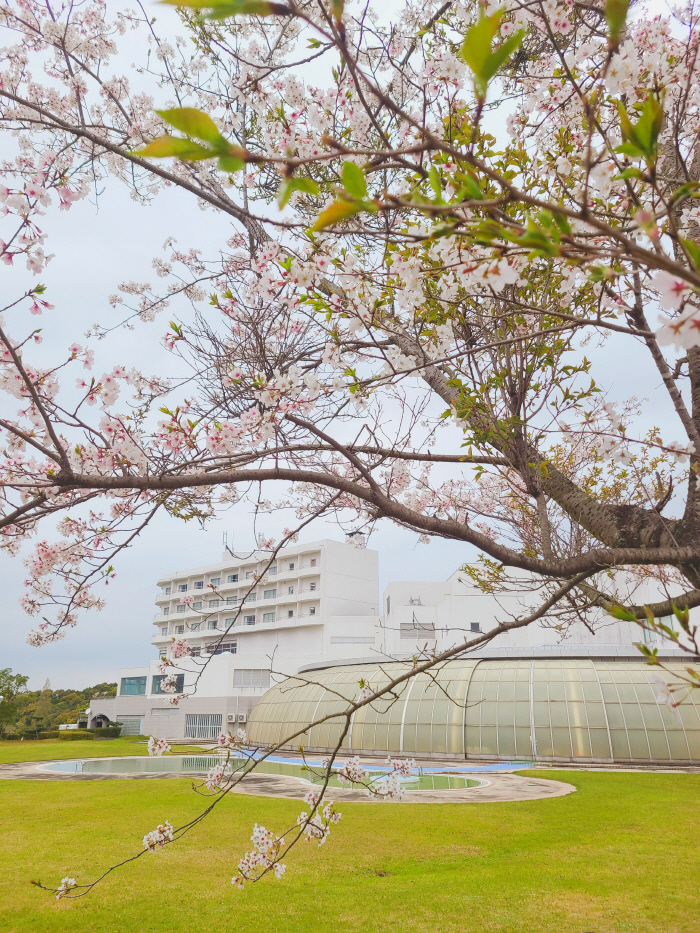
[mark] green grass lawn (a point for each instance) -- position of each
(49, 749)
(619, 855)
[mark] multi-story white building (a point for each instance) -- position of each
(249, 625)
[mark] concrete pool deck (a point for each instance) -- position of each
(496, 787)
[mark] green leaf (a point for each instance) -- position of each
(333, 214)
(337, 7)
(616, 17)
(435, 183)
(640, 139)
(192, 122)
(354, 180)
(470, 189)
(230, 163)
(624, 615)
(476, 50)
(692, 249)
(166, 146)
(222, 9)
(290, 185)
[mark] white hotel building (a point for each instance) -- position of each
(317, 606)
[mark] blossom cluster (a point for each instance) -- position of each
(158, 837)
(157, 747)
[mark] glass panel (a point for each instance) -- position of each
(633, 716)
(489, 744)
(679, 746)
(488, 713)
(522, 714)
(600, 747)
(523, 743)
(506, 741)
(639, 747)
(596, 715)
(423, 738)
(556, 691)
(506, 714)
(615, 718)
(543, 743)
(559, 715)
(580, 744)
(658, 745)
(561, 742)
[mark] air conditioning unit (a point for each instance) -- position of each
(242, 717)
(231, 717)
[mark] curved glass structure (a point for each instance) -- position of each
(548, 709)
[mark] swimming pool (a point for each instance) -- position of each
(199, 765)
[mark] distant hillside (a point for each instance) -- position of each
(42, 710)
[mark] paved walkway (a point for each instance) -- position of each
(497, 787)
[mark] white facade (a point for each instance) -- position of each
(249, 626)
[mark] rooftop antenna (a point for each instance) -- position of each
(226, 544)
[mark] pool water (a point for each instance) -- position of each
(200, 764)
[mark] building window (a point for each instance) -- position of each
(226, 647)
(132, 686)
(213, 603)
(197, 605)
(182, 588)
(250, 598)
(268, 617)
(162, 653)
(164, 630)
(181, 608)
(179, 629)
(166, 610)
(232, 578)
(249, 620)
(312, 611)
(290, 589)
(270, 594)
(231, 600)
(474, 627)
(202, 725)
(249, 574)
(312, 562)
(272, 571)
(211, 624)
(228, 622)
(291, 566)
(167, 591)
(195, 626)
(159, 678)
(251, 678)
(199, 585)
(215, 581)
(290, 613)
(312, 586)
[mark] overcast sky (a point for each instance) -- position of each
(96, 246)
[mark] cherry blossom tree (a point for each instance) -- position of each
(438, 214)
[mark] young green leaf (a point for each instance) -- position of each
(192, 122)
(230, 163)
(333, 214)
(166, 146)
(476, 50)
(354, 180)
(624, 615)
(435, 184)
(290, 185)
(692, 249)
(222, 9)
(616, 17)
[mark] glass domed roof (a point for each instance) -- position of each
(545, 709)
